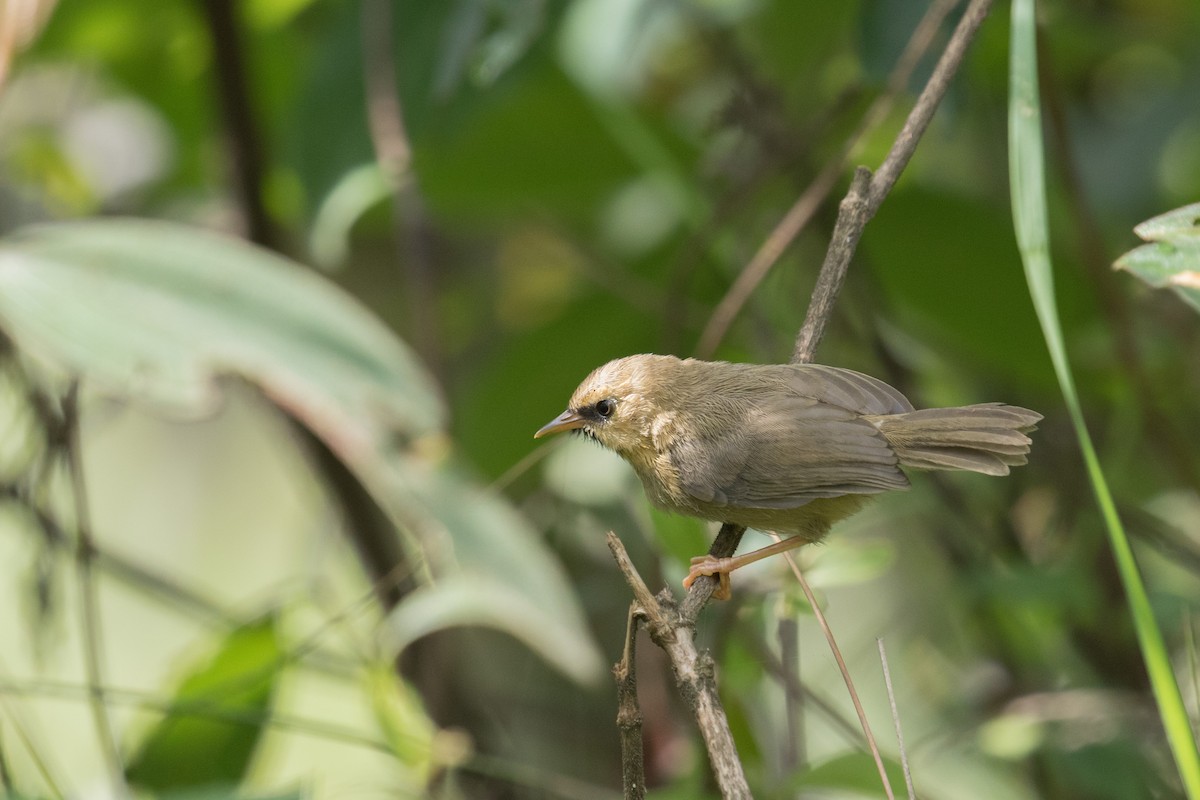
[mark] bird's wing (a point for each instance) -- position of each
(790, 449)
(846, 389)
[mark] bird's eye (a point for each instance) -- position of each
(605, 408)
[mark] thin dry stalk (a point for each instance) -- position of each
(841, 662)
(887, 681)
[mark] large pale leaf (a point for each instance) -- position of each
(1171, 259)
(162, 313)
(497, 572)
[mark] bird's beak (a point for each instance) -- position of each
(566, 421)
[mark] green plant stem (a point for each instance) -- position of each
(1027, 175)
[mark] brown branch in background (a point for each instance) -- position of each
(393, 154)
(629, 713)
(242, 135)
(862, 201)
(802, 211)
(791, 682)
(694, 675)
(89, 602)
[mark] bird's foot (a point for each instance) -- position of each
(719, 567)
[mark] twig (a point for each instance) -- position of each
(89, 607)
(694, 674)
(845, 671)
(393, 154)
(724, 546)
(629, 713)
(771, 663)
(852, 219)
(867, 191)
(887, 681)
(802, 211)
(24, 734)
(841, 662)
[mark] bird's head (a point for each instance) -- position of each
(618, 403)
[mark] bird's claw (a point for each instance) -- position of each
(718, 567)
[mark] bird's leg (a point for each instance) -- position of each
(721, 567)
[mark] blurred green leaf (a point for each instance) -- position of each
(219, 710)
(1182, 223)
(844, 562)
(1171, 260)
(419, 745)
(495, 572)
(161, 312)
(1027, 179)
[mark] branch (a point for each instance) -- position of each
(393, 154)
(802, 211)
(694, 674)
(867, 191)
(243, 137)
(629, 714)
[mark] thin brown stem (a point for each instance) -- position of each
(841, 662)
(629, 712)
(867, 191)
(805, 207)
(393, 154)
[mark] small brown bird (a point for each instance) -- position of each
(791, 448)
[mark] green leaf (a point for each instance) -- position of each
(499, 573)
(421, 749)
(1182, 223)
(162, 312)
(1171, 260)
(1031, 223)
(209, 737)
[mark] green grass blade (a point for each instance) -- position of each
(1027, 177)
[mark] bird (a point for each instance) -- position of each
(788, 448)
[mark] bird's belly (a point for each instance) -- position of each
(811, 520)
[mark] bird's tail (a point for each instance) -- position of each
(987, 438)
